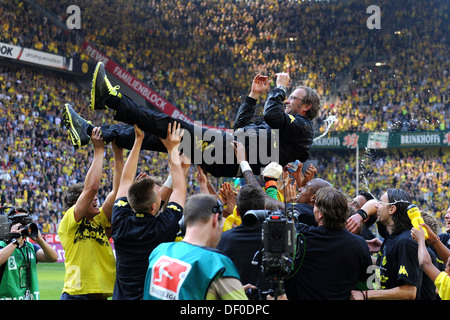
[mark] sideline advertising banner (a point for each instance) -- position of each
(35, 57)
(46, 59)
(9, 51)
(384, 140)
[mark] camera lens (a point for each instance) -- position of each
(254, 218)
(30, 230)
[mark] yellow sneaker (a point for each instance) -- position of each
(76, 127)
(101, 88)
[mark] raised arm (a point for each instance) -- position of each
(424, 257)
(246, 111)
(166, 189)
(92, 180)
(442, 251)
(118, 169)
(247, 172)
(172, 142)
(202, 181)
(260, 85)
(130, 167)
(274, 114)
(228, 198)
(355, 221)
(300, 178)
(46, 253)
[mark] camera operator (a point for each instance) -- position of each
(18, 258)
(241, 244)
(331, 260)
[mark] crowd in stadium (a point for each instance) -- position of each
(201, 57)
(31, 125)
(202, 80)
(256, 41)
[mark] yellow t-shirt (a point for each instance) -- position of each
(89, 259)
(442, 283)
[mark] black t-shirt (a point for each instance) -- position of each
(135, 236)
(428, 288)
(398, 262)
(240, 245)
(305, 213)
(329, 266)
(445, 239)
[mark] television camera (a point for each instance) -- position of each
(9, 216)
(278, 244)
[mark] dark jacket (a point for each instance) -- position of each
(294, 133)
(285, 138)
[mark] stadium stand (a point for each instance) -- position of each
(202, 56)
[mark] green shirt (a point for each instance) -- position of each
(19, 280)
(183, 271)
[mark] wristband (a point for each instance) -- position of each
(282, 88)
(169, 183)
(270, 184)
(245, 166)
(365, 294)
(363, 214)
(16, 242)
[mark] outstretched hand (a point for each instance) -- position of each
(173, 139)
(228, 197)
(141, 175)
(260, 85)
(239, 151)
(282, 79)
(202, 180)
(301, 178)
(138, 132)
(97, 138)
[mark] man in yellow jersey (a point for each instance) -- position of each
(89, 258)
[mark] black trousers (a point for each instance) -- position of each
(209, 148)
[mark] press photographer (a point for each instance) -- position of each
(18, 257)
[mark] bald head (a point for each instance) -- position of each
(308, 192)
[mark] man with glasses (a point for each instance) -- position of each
(397, 275)
(285, 135)
(292, 126)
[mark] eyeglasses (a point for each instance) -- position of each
(291, 97)
(355, 204)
